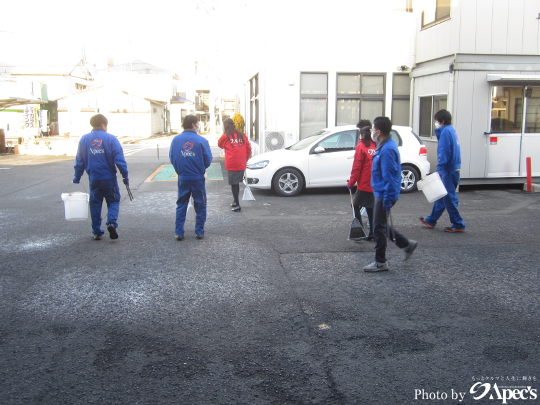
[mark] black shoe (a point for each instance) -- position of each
(179, 237)
(365, 239)
(199, 236)
(410, 249)
(97, 236)
(453, 230)
(234, 204)
(237, 208)
(112, 232)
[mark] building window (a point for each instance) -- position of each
(254, 108)
(401, 99)
(429, 105)
(435, 11)
(507, 109)
(79, 86)
(313, 103)
(359, 96)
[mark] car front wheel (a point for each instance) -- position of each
(288, 182)
(409, 179)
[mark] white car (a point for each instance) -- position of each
(325, 159)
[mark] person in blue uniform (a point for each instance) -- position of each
(448, 167)
(190, 156)
(386, 184)
(100, 154)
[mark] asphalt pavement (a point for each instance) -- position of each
(271, 307)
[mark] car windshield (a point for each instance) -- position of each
(303, 143)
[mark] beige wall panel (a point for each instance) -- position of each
(499, 27)
(467, 27)
(462, 116)
(479, 125)
(514, 39)
(484, 13)
(530, 27)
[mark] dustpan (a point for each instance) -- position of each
(357, 230)
(248, 195)
(190, 214)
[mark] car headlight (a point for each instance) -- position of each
(258, 165)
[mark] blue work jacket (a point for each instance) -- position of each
(386, 171)
(100, 153)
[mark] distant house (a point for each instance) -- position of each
(128, 115)
(37, 84)
(153, 82)
(50, 81)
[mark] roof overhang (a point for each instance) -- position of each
(13, 101)
(178, 99)
(515, 79)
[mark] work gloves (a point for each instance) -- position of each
(75, 180)
(126, 181)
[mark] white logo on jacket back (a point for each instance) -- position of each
(187, 149)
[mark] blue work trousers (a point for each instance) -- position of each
(448, 202)
(186, 189)
(108, 190)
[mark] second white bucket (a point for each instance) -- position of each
(76, 206)
(433, 187)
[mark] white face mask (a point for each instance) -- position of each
(197, 127)
(374, 138)
(437, 125)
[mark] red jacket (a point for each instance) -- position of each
(236, 154)
(361, 169)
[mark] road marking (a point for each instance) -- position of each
(131, 151)
(167, 173)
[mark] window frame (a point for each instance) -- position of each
(401, 96)
(441, 19)
(254, 112)
(312, 96)
(361, 97)
(439, 96)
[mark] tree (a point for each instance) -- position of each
(239, 122)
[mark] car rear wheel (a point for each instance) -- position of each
(409, 179)
(288, 182)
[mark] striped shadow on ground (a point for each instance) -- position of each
(167, 173)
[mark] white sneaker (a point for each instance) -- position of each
(376, 266)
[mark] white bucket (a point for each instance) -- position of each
(433, 187)
(76, 205)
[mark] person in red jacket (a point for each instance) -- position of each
(361, 176)
(237, 152)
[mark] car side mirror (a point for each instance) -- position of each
(319, 149)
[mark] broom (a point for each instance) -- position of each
(357, 230)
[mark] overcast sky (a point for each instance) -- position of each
(173, 35)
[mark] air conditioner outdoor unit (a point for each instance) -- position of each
(274, 140)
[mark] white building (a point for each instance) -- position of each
(480, 60)
(128, 115)
(346, 64)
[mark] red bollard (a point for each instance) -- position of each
(529, 174)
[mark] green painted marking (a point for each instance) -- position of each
(167, 173)
(214, 172)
